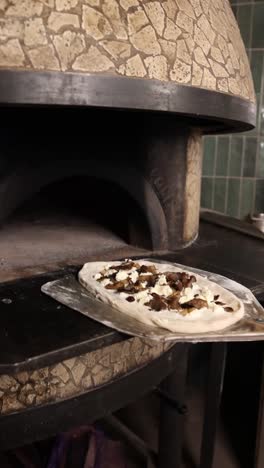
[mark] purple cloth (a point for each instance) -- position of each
(58, 451)
(99, 452)
(108, 453)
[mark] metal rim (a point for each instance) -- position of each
(215, 111)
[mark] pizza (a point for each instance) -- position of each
(162, 295)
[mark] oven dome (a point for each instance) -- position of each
(190, 42)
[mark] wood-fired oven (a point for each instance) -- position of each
(103, 108)
(104, 104)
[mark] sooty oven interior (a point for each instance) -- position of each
(101, 128)
(94, 183)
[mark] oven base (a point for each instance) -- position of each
(29, 249)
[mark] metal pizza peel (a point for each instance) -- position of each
(68, 291)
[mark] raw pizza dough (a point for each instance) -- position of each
(198, 321)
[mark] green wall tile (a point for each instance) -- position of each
(259, 202)
(233, 193)
(234, 8)
(209, 156)
(260, 164)
(255, 130)
(250, 157)
(236, 155)
(257, 31)
(260, 116)
(207, 192)
(222, 156)
(220, 194)
(257, 68)
(236, 174)
(238, 2)
(246, 204)
(244, 12)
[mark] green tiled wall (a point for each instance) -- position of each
(233, 167)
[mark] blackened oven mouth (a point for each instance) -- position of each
(69, 222)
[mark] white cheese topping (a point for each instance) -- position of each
(208, 295)
(105, 282)
(162, 290)
(109, 272)
(121, 275)
(188, 295)
(142, 297)
(134, 276)
(97, 276)
(162, 280)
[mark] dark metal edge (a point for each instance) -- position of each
(110, 337)
(231, 223)
(222, 111)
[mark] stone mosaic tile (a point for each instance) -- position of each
(191, 42)
(75, 376)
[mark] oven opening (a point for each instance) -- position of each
(69, 222)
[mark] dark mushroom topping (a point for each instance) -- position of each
(134, 287)
(173, 302)
(157, 303)
(118, 285)
(229, 309)
(190, 281)
(177, 285)
(185, 278)
(148, 269)
(178, 280)
(186, 311)
(149, 279)
(111, 277)
(195, 303)
(172, 277)
(125, 266)
(130, 288)
(219, 303)
(216, 297)
(152, 280)
(130, 299)
(143, 278)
